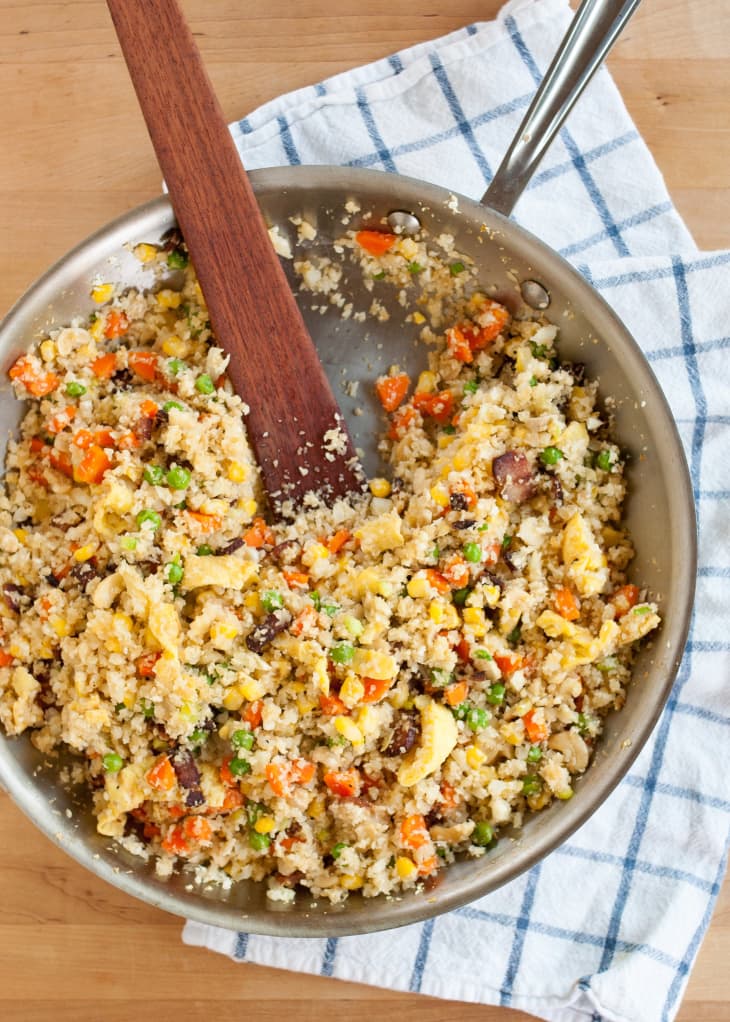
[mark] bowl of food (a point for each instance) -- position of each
(374, 711)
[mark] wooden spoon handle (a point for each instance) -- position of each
(274, 365)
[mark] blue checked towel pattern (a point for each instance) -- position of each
(607, 927)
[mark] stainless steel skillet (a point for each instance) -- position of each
(660, 510)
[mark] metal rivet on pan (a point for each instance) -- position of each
(535, 294)
(402, 222)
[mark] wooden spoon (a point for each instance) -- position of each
(273, 363)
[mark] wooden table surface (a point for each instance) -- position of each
(75, 155)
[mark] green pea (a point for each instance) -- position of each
(74, 389)
(204, 550)
(586, 723)
(473, 552)
(128, 542)
(436, 553)
(198, 736)
(271, 600)
(471, 387)
(477, 719)
(316, 599)
(515, 635)
(610, 663)
(259, 842)
(440, 677)
(495, 696)
(154, 475)
(604, 461)
(415, 268)
(178, 478)
(338, 849)
(533, 381)
(149, 516)
(330, 609)
(175, 573)
(506, 542)
(175, 366)
(538, 350)
(342, 652)
(449, 430)
(551, 455)
(534, 754)
(482, 834)
(119, 707)
(147, 708)
(459, 596)
(204, 384)
(177, 259)
(456, 268)
(239, 767)
(482, 654)
(254, 810)
(531, 785)
(172, 404)
(242, 740)
(379, 276)
(112, 762)
(461, 711)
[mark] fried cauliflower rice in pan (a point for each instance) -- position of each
(347, 699)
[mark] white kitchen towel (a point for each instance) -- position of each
(607, 927)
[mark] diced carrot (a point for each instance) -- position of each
(60, 420)
(287, 841)
(82, 438)
(377, 243)
(401, 422)
(491, 552)
(456, 572)
(162, 775)
(253, 713)
(104, 366)
(174, 841)
(104, 438)
(92, 467)
(332, 706)
(128, 442)
(296, 579)
(428, 866)
(259, 534)
(206, 523)
(375, 689)
(145, 664)
(197, 828)
(149, 409)
(508, 663)
(458, 346)
(177, 811)
(345, 783)
(463, 649)
(38, 446)
(438, 406)
(36, 476)
(464, 487)
(499, 319)
(35, 382)
(5, 658)
(456, 693)
(225, 772)
(306, 619)
(391, 390)
(281, 776)
(624, 599)
(143, 363)
(116, 324)
(566, 604)
(62, 463)
(449, 798)
(437, 580)
(335, 542)
(413, 831)
(302, 771)
(232, 799)
(150, 831)
(535, 731)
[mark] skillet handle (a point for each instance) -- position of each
(592, 32)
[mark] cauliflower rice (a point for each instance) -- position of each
(347, 699)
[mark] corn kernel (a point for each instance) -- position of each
(321, 676)
(418, 317)
(565, 794)
(168, 299)
(60, 626)
(513, 732)
(97, 332)
(124, 622)
(48, 351)
(232, 700)
(85, 553)
(418, 587)
(21, 535)
(367, 720)
(236, 472)
(491, 595)
(251, 689)
(102, 293)
(475, 621)
(462, 460)
(253, 602)
(176, 347)
(540, 800)
(145, 253)
(264, 824)
(440, 495)
(352, 690)
(380, 487)
(314, 552)
(354, 626)
(349, 730)
(405, 867)
(522, 707)
(249, 507)
(223, 630)
(444, 439)
(475, 757)
(316, 807)
(351, 882)
(436, 611)
(16, 650)
(305, 706)
(426, 383)
(451, 616)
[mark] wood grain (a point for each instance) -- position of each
(76, 153)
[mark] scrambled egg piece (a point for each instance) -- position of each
(438, 737)
(583, 558)
(227, 571)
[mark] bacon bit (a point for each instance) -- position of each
(332, 706)
(92, 467)
(259, 534)
(375, 689)
(345, 783)
(335, 543)
(60, 420)
(145, 664)
(437, 580)
(449, 797)
(413, 832)
(456, 572)
(377, 243)
(624, 599)
(174, 842)
(458, 346)
(62, 463)
(144, 364)
(253, 713)
(281, 776)
(162, 776)
(36, 383)
(535, 731)
(391, 390)
(566, 604)
(401, 422)
(513, 476)
(439, 406)
(206, 523)
(305, 620)
(116, 324)
(456, 693)
(105, 366)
